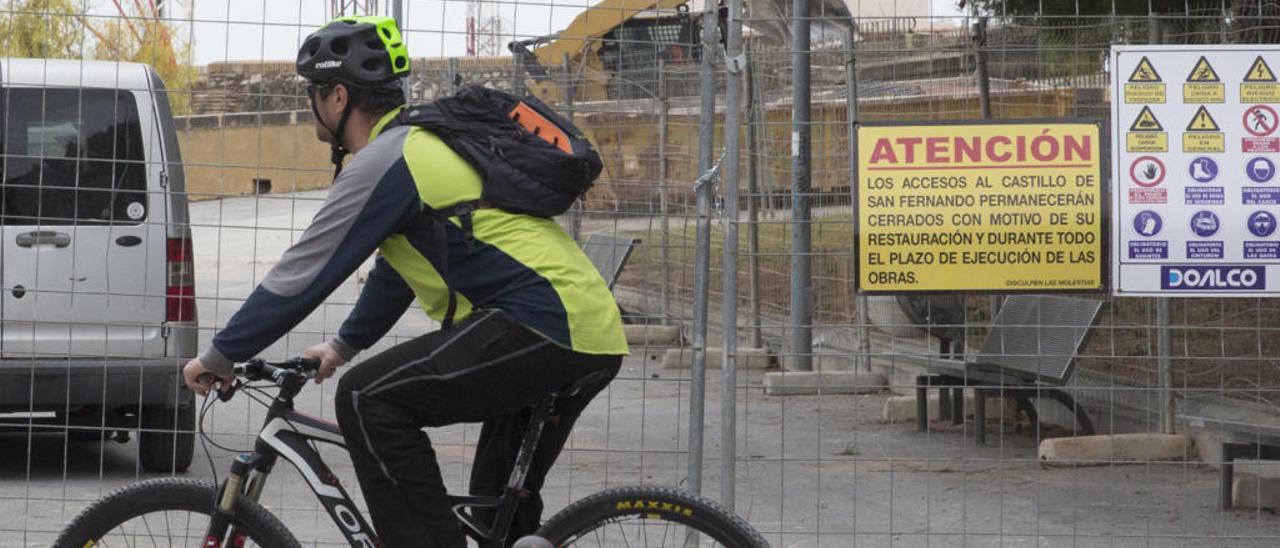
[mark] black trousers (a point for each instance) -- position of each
(487, 369)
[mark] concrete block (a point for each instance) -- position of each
(903, 408)
(1255, 492)
(1115, 449)
(827, 361)
(794, 383)
(652, 335)
(747, 358)
(1263, 468)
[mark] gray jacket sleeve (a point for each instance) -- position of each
(372, 198)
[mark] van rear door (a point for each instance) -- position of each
(80, 277)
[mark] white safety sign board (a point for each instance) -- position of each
(1195, 191)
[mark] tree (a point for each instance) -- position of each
(42, 28)
(140, 35)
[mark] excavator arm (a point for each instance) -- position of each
(584, 33)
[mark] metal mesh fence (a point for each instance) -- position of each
(836, 456)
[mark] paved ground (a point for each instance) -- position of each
(811, 471)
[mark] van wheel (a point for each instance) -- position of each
(166, 441)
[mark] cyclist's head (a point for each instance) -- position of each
(367, 58)
(364, 52)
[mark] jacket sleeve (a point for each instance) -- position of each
(381, 304)
(372, 198)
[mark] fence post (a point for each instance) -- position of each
(397, 13)
(664, 218)
(984, 101)
(729, 302)
(702, 259)
(1164, 346)
(801, 320)
(1164, 350)
(517, 75)
(851, 104)
(569, 87)
(453, 75)
(980, 59)
(753, 208)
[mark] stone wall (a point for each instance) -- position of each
(238, 154)
(273, 86)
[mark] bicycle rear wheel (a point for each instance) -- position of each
(636, 517)
(167, 512)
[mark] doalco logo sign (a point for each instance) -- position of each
(1225, 278)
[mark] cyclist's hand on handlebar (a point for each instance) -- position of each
(330, 360)
(200, 380)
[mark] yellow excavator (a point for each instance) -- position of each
(613, 48)
(592, 57)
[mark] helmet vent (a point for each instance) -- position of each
(339, 46)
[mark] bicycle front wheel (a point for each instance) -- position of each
(167, 512)
(636, 517)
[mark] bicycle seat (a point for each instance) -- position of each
(572, 389)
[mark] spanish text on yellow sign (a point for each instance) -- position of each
(980, 207)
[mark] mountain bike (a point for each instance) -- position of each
(186, 512)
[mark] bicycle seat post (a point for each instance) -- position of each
(514, 491)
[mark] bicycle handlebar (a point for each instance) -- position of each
(279, 373)
(259, 369)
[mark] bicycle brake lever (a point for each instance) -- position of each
(225, 396)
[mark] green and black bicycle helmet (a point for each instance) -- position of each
(363, 53)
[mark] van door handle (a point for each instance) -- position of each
(44, 237)
(128, 241)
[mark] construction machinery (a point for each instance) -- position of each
(612, 49)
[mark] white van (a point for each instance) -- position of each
(97, 304)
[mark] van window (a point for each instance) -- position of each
(72, 156)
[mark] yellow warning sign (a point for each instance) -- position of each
(1203, 85)
(1144, 72)
(1146, 134)
(1145, 85)
(1203, 121)
(1260, 72)
(1259, 84)
(1202, 72)
(1146, 121)
(980, 207)
(1203, 134)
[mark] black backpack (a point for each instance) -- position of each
(531, 160)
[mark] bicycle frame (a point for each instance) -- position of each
(290, 434)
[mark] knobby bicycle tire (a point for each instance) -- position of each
(609, 508)
(163, 495)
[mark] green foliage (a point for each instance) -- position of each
(57, 29)
(42, 28)
(144, 38)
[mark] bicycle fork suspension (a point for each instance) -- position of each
(243, 470)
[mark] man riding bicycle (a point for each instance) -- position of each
(532, 312)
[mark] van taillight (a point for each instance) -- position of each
(180, 295)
